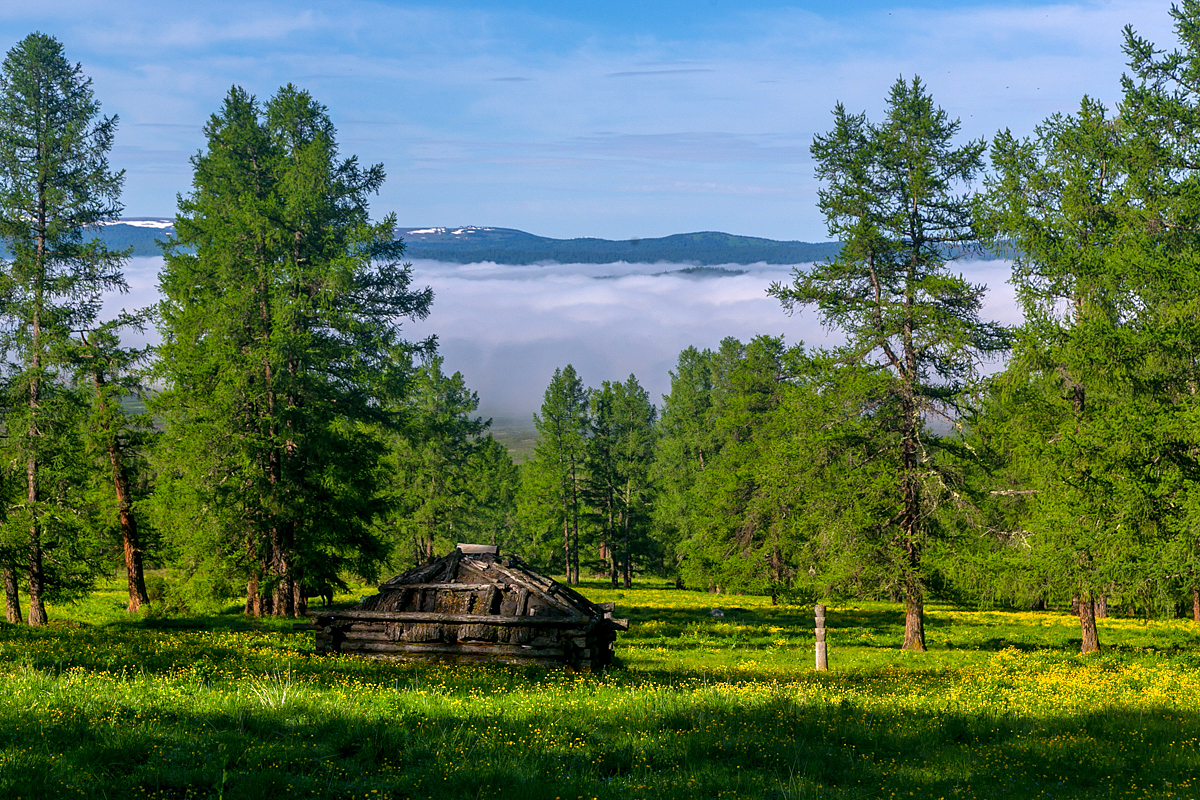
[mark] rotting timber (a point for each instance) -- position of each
(472, 606)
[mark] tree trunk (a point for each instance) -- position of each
(283, 596)
(628, 565)
(134, 574)
(914, 619)
(574, 576)
(914, 599)
(299, 601)
(1087, 626)
(1196, 603)
(613, 570)
(129, 534)
(37, 605)
(255, 602)
(251, 596)
(12, 599)
(1101, 607)
(566, 540)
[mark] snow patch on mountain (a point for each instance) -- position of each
(160, 224)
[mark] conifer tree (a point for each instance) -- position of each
(620, 458)
(1160, 115)
(55, 183)
(552, 493)
(121, 440)
(1059, 199)
(685, 446)
(892, 197)
(430, 463)
(493, 481)
(739, 532)
(281, 353)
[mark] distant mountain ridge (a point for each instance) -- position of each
(469, 244)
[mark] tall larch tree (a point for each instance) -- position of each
(282, 353)
(620, 458)
(895, 195)
(55, 184)
(430, 464)
(1160, 114)
(553, 480)
(1079, 430)
(120, 440)
(685, 446)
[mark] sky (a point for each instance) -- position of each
(616, 119)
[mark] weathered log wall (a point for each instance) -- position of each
(472, 609)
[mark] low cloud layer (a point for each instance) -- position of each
(507, 328)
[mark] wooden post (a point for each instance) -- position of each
(822, 653)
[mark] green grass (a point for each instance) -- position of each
(104, 705)
(517, 435)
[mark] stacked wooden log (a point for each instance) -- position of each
(473, 606)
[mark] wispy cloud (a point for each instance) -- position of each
(639, 72)
(496, 113)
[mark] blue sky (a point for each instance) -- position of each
(615, 119)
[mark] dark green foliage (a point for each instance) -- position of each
(552, 496)
(730, 490)
(493, 482)
(55, 183)
(687, 443)
(1092, 425)
(1059, 199)
(619, 460)
(737, 519)
(119, 442)
(1160, 114)
(891, 196)
(1102, 460)
(446, 481)
(281, 356)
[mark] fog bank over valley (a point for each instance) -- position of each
(507, 328)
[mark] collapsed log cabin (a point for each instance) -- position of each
(472, 606)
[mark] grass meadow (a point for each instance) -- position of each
(102, 704)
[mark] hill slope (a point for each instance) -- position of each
(508, 246)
